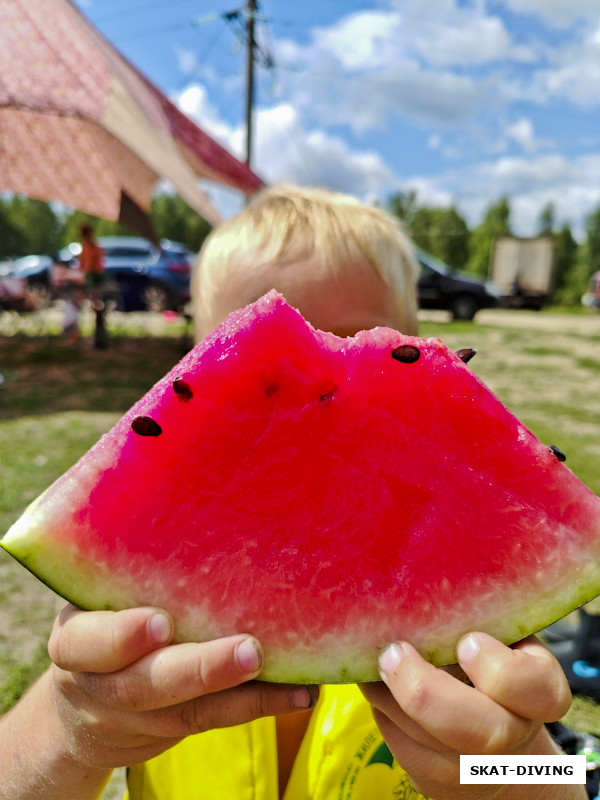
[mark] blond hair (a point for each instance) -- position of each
(313, 246)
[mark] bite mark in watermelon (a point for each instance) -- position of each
(326, 495)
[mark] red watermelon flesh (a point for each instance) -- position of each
(327, 495)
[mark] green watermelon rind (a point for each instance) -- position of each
(347, 663)
(47, 563)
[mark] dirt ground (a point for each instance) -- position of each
(581, 324)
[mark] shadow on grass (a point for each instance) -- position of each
(45, 375)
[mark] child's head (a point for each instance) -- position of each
(344, 265)
(86, 231)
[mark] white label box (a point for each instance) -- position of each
(522, 769)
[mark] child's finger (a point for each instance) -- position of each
(106, 641)
(384, 703)
(233, 706)
(176, 674)
(457, 715)
(525, 679)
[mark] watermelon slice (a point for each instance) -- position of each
(327, 495)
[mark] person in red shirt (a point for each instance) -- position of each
(91, 263)
(91, 260)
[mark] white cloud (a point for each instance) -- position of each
(194, 101)
(187, 60)
(369, 100)
(463, 39)
(287, 151)
(363, 41)
(453, 33)
(438, 62)
(574, 74)
(450, 71)
(228, 202)
(522, 132)
(428, 192)
(421, 61)
(530, 184)
(559, 13)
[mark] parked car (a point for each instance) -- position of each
(148, 277)
(35, 270)
(463, 295)
(176, 250)
(144, 276)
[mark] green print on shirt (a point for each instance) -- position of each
(406, 791)
(382, 755)
(373, 765)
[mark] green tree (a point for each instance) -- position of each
(440, 231)
(174, 219)
(171, 218)
(496, 222)
(102, 227)
(10, 239)
(579, 277)
(546, 220)
(419, 228)
(585, 262)
(37, 226)
(449, 237)
(592, 239)
(404, 206)
(565, 262)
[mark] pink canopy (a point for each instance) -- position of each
(79, 124)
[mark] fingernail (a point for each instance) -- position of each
(390, 658)
(159, 628)
(305, 696)
(249, 655)
(467, 649)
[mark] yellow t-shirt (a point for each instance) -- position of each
(342, 757)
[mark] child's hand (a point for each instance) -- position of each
(123, 695)
(429, 717)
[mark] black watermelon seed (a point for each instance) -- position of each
(466, 354)
(270, 389)
(146, 426)
(182, 389)
(406, 353)
(557, 452)
(327, 394)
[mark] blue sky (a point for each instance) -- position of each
(463, 101)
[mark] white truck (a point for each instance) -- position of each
(522, 270)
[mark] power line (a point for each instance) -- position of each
(152, 31)
(136, 9)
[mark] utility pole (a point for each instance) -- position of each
(251, 14)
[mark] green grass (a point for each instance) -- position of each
(20, 676)
(58, 400)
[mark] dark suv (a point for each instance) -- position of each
(462, 295)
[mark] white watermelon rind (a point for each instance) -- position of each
(339, 656)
